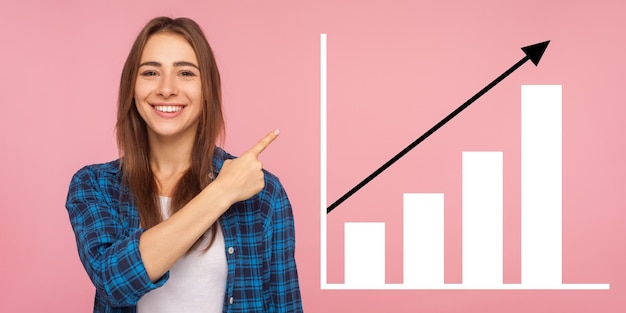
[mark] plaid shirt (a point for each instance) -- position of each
(258, 235)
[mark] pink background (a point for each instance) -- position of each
(395, 69)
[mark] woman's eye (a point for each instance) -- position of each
(188, 73)
(148, 73)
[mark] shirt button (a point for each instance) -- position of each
(231, 250)
(231, 300)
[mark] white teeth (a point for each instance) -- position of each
(168, 108)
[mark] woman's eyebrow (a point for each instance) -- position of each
(185, 63)
(150, 63)
(176, 64)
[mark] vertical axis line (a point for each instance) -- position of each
(323, 163)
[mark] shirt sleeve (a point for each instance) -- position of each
(285, 290)
(107, 247)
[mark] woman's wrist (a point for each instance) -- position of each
(219, 197)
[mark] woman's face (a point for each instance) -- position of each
(168, 92)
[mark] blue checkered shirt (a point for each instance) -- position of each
(262, 275)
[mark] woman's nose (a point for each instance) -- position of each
(167, 86)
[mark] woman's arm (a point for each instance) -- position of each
(123, 263)
(239, 179)
(107, 240)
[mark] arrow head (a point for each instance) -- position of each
(535, 52)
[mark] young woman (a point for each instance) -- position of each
(177, 224)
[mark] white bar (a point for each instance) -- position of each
(482, 218)
(467, 287)
(423, 239)
(364, 255)
(541, 185)
(323, 162)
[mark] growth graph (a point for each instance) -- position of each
(482, 207)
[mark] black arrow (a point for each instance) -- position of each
(533, 53)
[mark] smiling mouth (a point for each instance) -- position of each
(168, 108)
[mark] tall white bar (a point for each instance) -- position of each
(541, 185)
(423, 239)
(364, 255)
(323, 161)
(482, 218)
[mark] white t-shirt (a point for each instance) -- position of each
(197, 281)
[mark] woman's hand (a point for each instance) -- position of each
(242, 178)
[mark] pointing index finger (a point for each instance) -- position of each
(264, 143)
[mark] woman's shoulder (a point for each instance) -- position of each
(100, 173)
(111, 167)
(102, 181)
(219, 156)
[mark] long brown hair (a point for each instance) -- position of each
(132, 136)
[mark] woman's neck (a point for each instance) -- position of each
(169, 159)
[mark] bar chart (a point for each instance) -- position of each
(482, 213)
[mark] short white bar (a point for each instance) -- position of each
(423, 239)
(541, 220)
(364, 254)
(482, 218)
